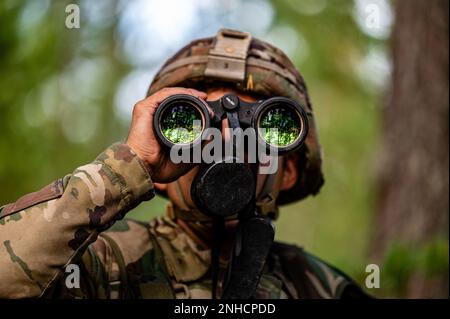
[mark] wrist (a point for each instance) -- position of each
(123, 165)
(141, 156)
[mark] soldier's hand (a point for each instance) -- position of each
(141, 138)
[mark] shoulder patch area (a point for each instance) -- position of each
(311, 276)
(49, 192)
(328, 280)
(338, 282)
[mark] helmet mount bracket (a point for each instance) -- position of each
(227, 58)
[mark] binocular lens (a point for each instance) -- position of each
(280, 126)
(280, 123)
(181, 123)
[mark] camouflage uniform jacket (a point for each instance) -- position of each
(79, 220)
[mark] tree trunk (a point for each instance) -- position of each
(413, 199)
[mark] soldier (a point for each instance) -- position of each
(79, 219)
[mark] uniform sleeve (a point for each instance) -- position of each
(43, 232)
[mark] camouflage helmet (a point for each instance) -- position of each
(234, 58)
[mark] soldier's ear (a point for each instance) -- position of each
(290, 172)
(160, 187)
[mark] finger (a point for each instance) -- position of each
(199, 94)
(179, 90)
(155, 99)
(164, 93)
(210, 111)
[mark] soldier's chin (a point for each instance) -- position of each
(161, 187)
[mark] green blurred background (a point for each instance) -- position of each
(66, 94)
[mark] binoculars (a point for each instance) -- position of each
(279, 123)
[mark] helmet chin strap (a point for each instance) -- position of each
(266, 203)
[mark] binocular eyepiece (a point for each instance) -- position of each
(279, 123)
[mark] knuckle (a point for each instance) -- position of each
(138, 107)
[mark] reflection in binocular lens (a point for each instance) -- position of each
(181, 123)
(280, 126)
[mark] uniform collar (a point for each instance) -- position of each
(185, 260)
